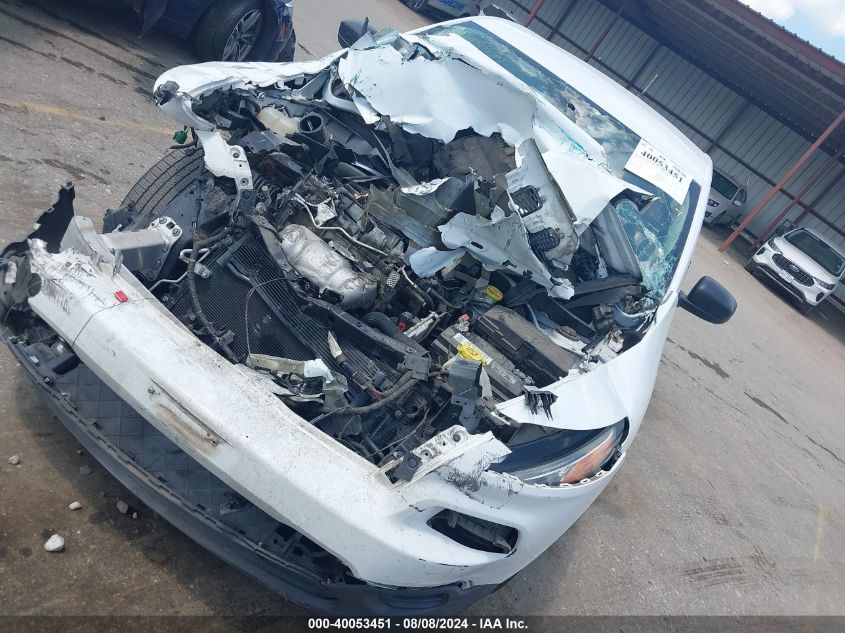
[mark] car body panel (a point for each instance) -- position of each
(217, 529)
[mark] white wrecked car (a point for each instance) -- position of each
(390, 327)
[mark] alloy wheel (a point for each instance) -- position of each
(243, 37)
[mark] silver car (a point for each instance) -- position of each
(725, 201)
(803, 263)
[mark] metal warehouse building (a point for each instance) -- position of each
(766, 105)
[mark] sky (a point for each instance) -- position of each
(820, 22)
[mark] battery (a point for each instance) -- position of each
(504, 377)
(524, 345)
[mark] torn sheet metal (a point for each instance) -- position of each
(266, 382)
(502, 242)
(542, 206)
(315, 368)
(442, 87)
(195, 80)
(223, 159)
(426, 262)
(380, 77)
(588, 190)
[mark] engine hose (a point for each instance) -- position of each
(380, 321)
(401, 388)
(444, 300)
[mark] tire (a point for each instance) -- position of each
(165, 180)
(806, 309)
(749, 266)
(214, 30)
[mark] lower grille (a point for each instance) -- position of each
(801, 276)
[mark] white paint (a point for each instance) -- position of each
(249, 439)
(223, 159)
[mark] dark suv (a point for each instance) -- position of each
(223, 30)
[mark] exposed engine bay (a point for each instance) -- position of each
(386, 286)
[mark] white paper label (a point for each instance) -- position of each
(651, 165)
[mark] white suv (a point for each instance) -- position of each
(803, 263)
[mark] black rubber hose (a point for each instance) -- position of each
(383, 323)
(401, 388)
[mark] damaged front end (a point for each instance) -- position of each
(409, 341)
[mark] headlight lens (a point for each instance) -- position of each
(771, 244)
(712, 203)
(825, 285)
(581, 462)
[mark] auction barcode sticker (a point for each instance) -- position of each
(650, 164)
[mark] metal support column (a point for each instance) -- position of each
(604, 33)
(821, 173)
(774, 190)
(533, 13)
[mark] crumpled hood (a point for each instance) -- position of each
(446, 74)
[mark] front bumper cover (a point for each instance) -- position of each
(763, 263)
(275, 460)
(198, 522)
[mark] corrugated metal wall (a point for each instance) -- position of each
(703, 108)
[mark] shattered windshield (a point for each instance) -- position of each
(823, 254)
(657, 230)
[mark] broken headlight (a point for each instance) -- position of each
(564, 456)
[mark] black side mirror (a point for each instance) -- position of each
(350, 31)
(709, 300)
